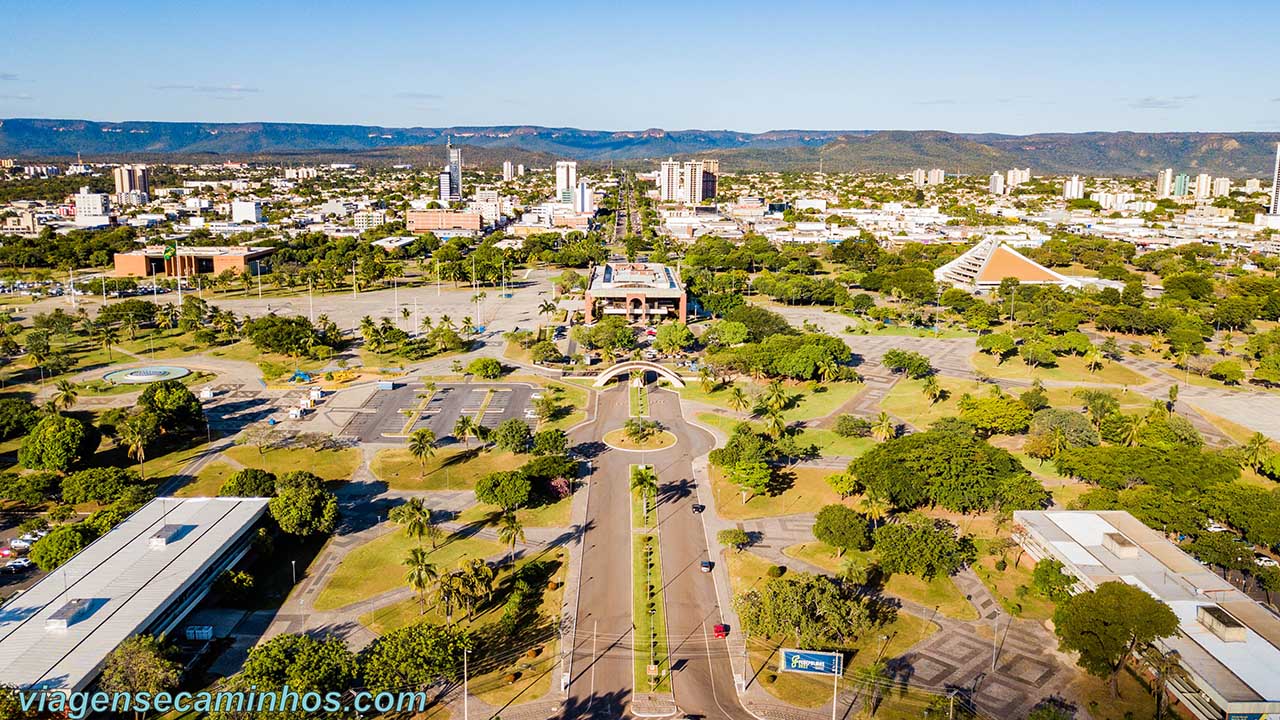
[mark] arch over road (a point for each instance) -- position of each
(629, 366)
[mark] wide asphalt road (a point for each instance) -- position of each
(703, 676)
(601, 682)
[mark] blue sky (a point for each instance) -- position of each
(1013, 67)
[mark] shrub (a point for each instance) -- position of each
(852, 426)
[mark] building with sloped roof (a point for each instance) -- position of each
(983, 266)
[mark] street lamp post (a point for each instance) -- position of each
(294, 565)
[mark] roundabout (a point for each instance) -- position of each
(618, 440)
(144, 375)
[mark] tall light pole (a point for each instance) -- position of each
(465, 706)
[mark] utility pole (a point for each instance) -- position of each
(353, 277)
(465, 712)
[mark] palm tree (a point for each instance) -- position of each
(707, 378)
(426, 324)
(1253, 454)
(422, 446)
(776, 395)
(827, 369)
(510, 531)
(450, 588)
(478, 579)
(65, 394)
(416, 518)
(446, 322)
(884, 428)
(136, 433)
(932, 389)
(1093, 358)
(421, 575)
(875, 508)
(776, 421)
(106, 336)
(738, 399)
(547, 308)
(1132, 430)
(645, 480)
(465, 428)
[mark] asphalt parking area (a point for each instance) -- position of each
(384, 416)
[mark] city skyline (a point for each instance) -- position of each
(1057, 68)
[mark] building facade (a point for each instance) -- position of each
(637, 292)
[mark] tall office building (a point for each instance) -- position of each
(918, 177)
(1164, 183)
(508, 171)
(566, 180)
(446, 185)
(454, 169)
(996, 184)
(1073, 189)
(1275, 184)
(937, 176)
(92, 209)
(584, 199)
(132, 179)
(710, 179)
(1181, 185)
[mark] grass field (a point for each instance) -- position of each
(649, 614)
(454, 468)
(639, 397)
(272, 365)
(808, 493)
(940, 592)
(1070, 368)
(330, 465)
(828, 442)
(618, 438)
(1004, 585)
(551, 515)
(809, 403)
(377, 566)
(206, 483)
(906, 399)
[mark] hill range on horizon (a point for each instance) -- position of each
(1236, 154)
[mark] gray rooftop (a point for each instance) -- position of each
(57, 634)
(652, 279)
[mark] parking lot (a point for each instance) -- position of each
(385, 415)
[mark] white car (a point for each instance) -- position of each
(1216, 528)
(17, 565)
(1264, 561)
(20, 544)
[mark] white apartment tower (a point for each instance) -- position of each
(584, 199)
(1164, 183)
(508, 171)
(1073, 189)
(446, 185)
(691, 179)
(1204, 186)
(1275, 184)
(918, 177)
(669, 181)
(92, 208)
(566, 180)
(996, 184)
(1015, 177)
(132, 179)
(1221, 187)
(937, 176)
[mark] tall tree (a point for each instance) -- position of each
(422, 446)
(140, 664)
(1106, 625)
(421, 575)
(510, 531)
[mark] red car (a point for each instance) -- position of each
(721, 631)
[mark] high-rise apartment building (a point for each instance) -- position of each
(919, 177)
(446, 185)
(132, 179)
(566, 180)
(710, 179)
(1204, 186)
(1015, 177)
(508, 171)
(996, 183)
(1181, 185)
(1073, 188)
(1164, 183)
(1275, 184)
(691, 182)
(1221, 187)
(669, 181)
(520, 170)
(937, 176)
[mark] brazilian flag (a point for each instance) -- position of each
(169, 252)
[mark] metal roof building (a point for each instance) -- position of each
(1227, 644)
(142, 577)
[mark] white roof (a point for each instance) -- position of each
(125, 582)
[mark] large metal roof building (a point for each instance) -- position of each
(142, 577)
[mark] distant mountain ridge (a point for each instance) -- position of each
(1109, 153)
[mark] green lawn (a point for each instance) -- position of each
(869, 327)
(1070, 368)
(808, 493)
(206, 484)
(828, 442)
(554, 514)
(162, 467)
(453, 468)
(639, 396)
(906, 399)
(377, 566)
(619, 439)
(649, 615)
(809, 404)
(940, 592)
(330, 465)
(273, 366)
(1005, 584)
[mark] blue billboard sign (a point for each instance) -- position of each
(810, 661)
